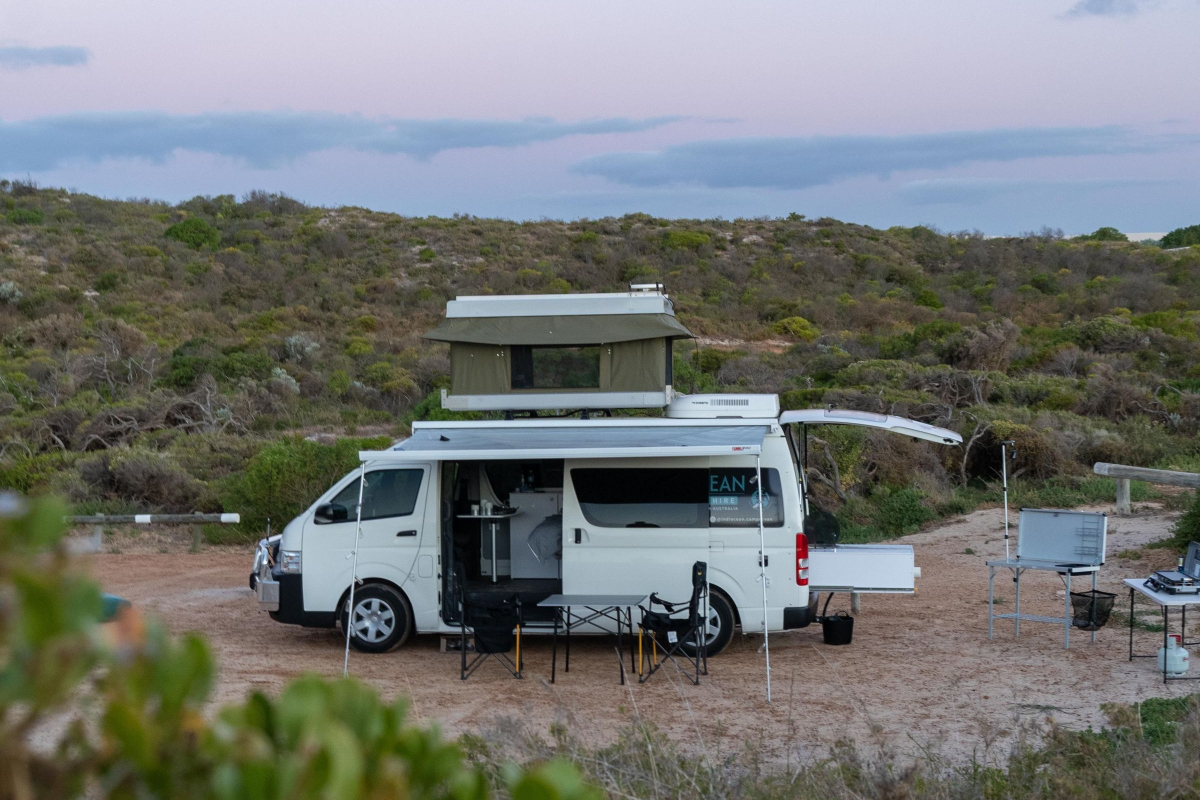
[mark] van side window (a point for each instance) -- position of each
(721, 497)
(388, 493)
(643, 498)
(733, 498)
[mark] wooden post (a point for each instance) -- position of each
(98, 536)
(855, 603)
(197, 535)
(1124, 504)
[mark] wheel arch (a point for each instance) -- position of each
(370, 582)
(714, 588)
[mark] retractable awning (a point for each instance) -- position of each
(900, 425)
(520, 441)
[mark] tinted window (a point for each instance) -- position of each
(733, 498)
(721, 497)
(388, 493)
(643, 498)
(555, 367)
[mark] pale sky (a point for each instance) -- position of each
(998, 115)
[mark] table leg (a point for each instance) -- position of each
(1067, 616)
(991, 598)
(567, 668)
(620, 647)
(629, 621)
(1131, 623)
(1017, 618)
(554, 647)
(1166, 619)
(1093, 606)
(495, 568)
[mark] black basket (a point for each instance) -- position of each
(1092, 609)
(838, 629)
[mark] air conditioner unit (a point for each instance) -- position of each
(728, 406)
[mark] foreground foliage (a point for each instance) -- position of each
(119, 710)
(149, 352)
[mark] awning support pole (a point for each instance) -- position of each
(1004, 478)
(362, 482)
(762, 566)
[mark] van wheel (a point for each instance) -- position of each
(382, 619)
(720, 625)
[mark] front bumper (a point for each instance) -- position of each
(263, 579)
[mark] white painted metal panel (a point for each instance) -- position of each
(863, 568)
(900, 425)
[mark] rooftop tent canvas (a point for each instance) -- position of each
(530, 352)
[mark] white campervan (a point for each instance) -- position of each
(618, 505)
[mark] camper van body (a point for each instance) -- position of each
(641, 500)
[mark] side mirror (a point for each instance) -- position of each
(331, 512)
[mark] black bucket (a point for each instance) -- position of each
(838, 629)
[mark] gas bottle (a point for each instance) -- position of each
(1174, 656)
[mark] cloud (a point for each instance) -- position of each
(14, 58)
(976, 191)
(798, 163)
(268, 139)
(1107, 8)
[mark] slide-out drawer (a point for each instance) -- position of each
(865, 568)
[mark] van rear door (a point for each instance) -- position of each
(861, 568)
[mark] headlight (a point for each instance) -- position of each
(289, 561)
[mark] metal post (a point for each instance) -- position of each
(991, 598)
(362, 482)
(1004, 479)
(1067, 616)
(1017, 603)
(762, 567)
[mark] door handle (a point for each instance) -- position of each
(764, 561)
(407, 533)
(579, 536)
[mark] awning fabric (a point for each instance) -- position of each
(581, 329)
(524, 440)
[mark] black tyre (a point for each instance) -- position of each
(720, 624)
(383, 618)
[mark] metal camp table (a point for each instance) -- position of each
(1019, 566)
(1166, 601)
(615, 607)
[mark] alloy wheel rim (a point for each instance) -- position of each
(373, 620)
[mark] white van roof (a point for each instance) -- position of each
(583, 439)
(900, 425)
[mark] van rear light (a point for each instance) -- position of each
(801, 560)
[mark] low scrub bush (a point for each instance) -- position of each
(194, 232)
(121, 710)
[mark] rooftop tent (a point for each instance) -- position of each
(559, 351)
(530, 440)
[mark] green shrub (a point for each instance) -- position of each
(900, 511)
(796, 328)
(426, 254)
(194, 232)
(927, 298)
(287, 476)
(25, 216)
(685, 240)
(1182, 237)
(134, 700)
(1104, 235)
(108, 281)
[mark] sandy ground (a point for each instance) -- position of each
(920, 673)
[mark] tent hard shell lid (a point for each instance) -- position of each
(570, 439)
(531, 352)
(899, 425)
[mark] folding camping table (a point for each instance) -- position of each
(1019, 566)
(1166, 601)
(613, 607)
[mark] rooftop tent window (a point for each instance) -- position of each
(535, 367)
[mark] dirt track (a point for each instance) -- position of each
(921, 671)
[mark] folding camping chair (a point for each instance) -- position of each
(495, 621)
(669, 634)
